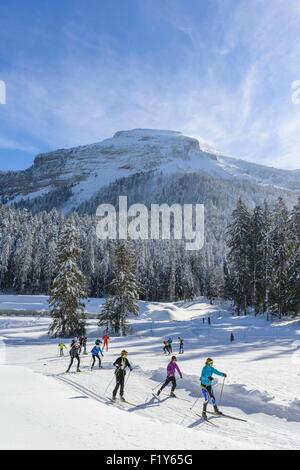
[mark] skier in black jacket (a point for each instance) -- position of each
(75, 353)
(121, 365)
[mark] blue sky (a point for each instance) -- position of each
(219, 70)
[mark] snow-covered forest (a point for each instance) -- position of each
(257, 267)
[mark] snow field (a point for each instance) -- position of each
(262, 385)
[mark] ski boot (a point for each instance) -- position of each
(172, 394)
(217, 411)
(122, 399)
(204, 415)
(78, 371)
(113, 398)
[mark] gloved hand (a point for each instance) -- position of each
(210, 378)
(181, 377)
(224, 375)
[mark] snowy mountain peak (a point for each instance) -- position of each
(86, 169)
(140, 132)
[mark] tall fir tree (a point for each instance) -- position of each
(294, 269)
(239, 237)
(68, 289)
(267, 258)
(124, 290)
(281, 246)
(256, 258)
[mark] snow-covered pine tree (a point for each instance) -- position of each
(256, 258)
(68, 288)
(239, 248)
(211, 286)
(294, 269)
(267, 258)
(281, 245)
(124, 291)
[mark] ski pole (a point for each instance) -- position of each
(127, 378)
(157, 386)
(109, 384)
(196, 401)
(221, 394)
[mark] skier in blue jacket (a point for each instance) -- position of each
(206, 385)
(95, 355)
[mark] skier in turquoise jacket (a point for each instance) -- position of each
(206, 385)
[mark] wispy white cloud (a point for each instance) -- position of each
(233, 91)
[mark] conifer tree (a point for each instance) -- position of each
(239, 248)
(124, 290)
(68, 289)
(294, 269)
(281, 245)
(256, 258)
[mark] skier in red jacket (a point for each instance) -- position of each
(105, 342)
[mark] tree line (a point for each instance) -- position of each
(262, 268)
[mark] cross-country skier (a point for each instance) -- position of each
(166, 347)
(181, 343)
(206, 386)
(171, 371)
(170, 341)
(231, 337)
(74, 353)
(121, 365)
(84, 345)
(96, 351)
(62, 346)
(105, 341)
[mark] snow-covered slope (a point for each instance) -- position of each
(50, 410)
(88, 168)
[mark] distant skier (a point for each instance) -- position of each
(105, 341)
(209, 321)
(166, 349)
(61, 347)
(171, 371)
(203, 321)
(83, 344)
(96, 351)
(170, 341)
(75, 353)
(121, 365)
(231, 337)
(206, 386)
(181, 345)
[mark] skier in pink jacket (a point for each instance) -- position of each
(171, 371)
